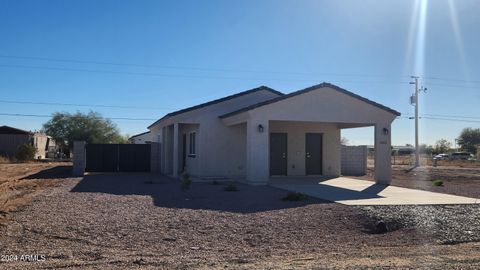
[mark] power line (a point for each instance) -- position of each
(187, 67)
(48, 116)
(445, 115)
(452, 86)
(444, 119)
(449, 79)
(179, 75)
(85, 105)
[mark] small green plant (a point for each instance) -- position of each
(438, 183)
(26, 152)
(231, 188)
(185, 181)
(295, 196)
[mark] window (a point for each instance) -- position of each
(192, 145)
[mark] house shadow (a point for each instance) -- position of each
(57, 172)
(166, 192)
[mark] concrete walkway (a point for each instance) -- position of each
(360, 192)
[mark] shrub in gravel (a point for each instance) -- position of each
(231, 187)
(295, 196)
(185, 181)
(438, 183)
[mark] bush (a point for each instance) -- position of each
(231, 188)
(26, 152)
(295, 196)
(185, 181)
(438, 183)
(215, 183)
(4, 160)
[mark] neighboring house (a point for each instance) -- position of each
(141, 138)
(11, 138)
(260, 133)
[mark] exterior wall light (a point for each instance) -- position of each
(385, 131)
(260, 128)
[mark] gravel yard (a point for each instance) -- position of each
(145, 221)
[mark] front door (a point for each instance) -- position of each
(278, 153)
(313, 152)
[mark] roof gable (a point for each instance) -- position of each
(12, 130)
(213, 102)
(309, 89)
(140, 134)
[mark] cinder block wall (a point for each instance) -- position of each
(354, 160)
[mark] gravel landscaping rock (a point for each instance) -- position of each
(447, 224)
(124, 221)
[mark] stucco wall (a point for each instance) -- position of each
(141, 139)
(296, 145)
(220, 148)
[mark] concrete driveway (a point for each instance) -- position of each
(360, 192)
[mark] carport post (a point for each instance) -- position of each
(79, 157)
(257, 152)
(383, 152)
(175, 150)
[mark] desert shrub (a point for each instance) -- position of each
(185, 181)
(231, 188)
(438, 183)
(4, 160)
(26, 152)
(295, 196)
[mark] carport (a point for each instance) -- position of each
(299, 134)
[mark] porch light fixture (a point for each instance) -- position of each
(385, 131)
(260, 128)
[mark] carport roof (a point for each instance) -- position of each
(306, 90)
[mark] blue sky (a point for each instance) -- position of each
(188, 52)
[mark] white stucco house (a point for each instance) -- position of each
(141, 138)
(261, 133)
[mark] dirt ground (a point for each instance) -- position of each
(20, 182)
(456, 180)
(144, 221)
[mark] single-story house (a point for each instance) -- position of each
(11, 138)
(141, 138)
(262, 133)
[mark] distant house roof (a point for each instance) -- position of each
(139, 135)
(218, 101)
(12, 130)
(306, 90)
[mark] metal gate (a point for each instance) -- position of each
(118, 157)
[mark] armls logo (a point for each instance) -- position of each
(33, 258)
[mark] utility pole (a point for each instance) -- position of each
(414, 100)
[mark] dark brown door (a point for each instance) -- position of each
(278, 153)
(313, 153)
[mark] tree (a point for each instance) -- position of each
(90, 127)
(469, 139)
(344, 141)
(442, 146)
